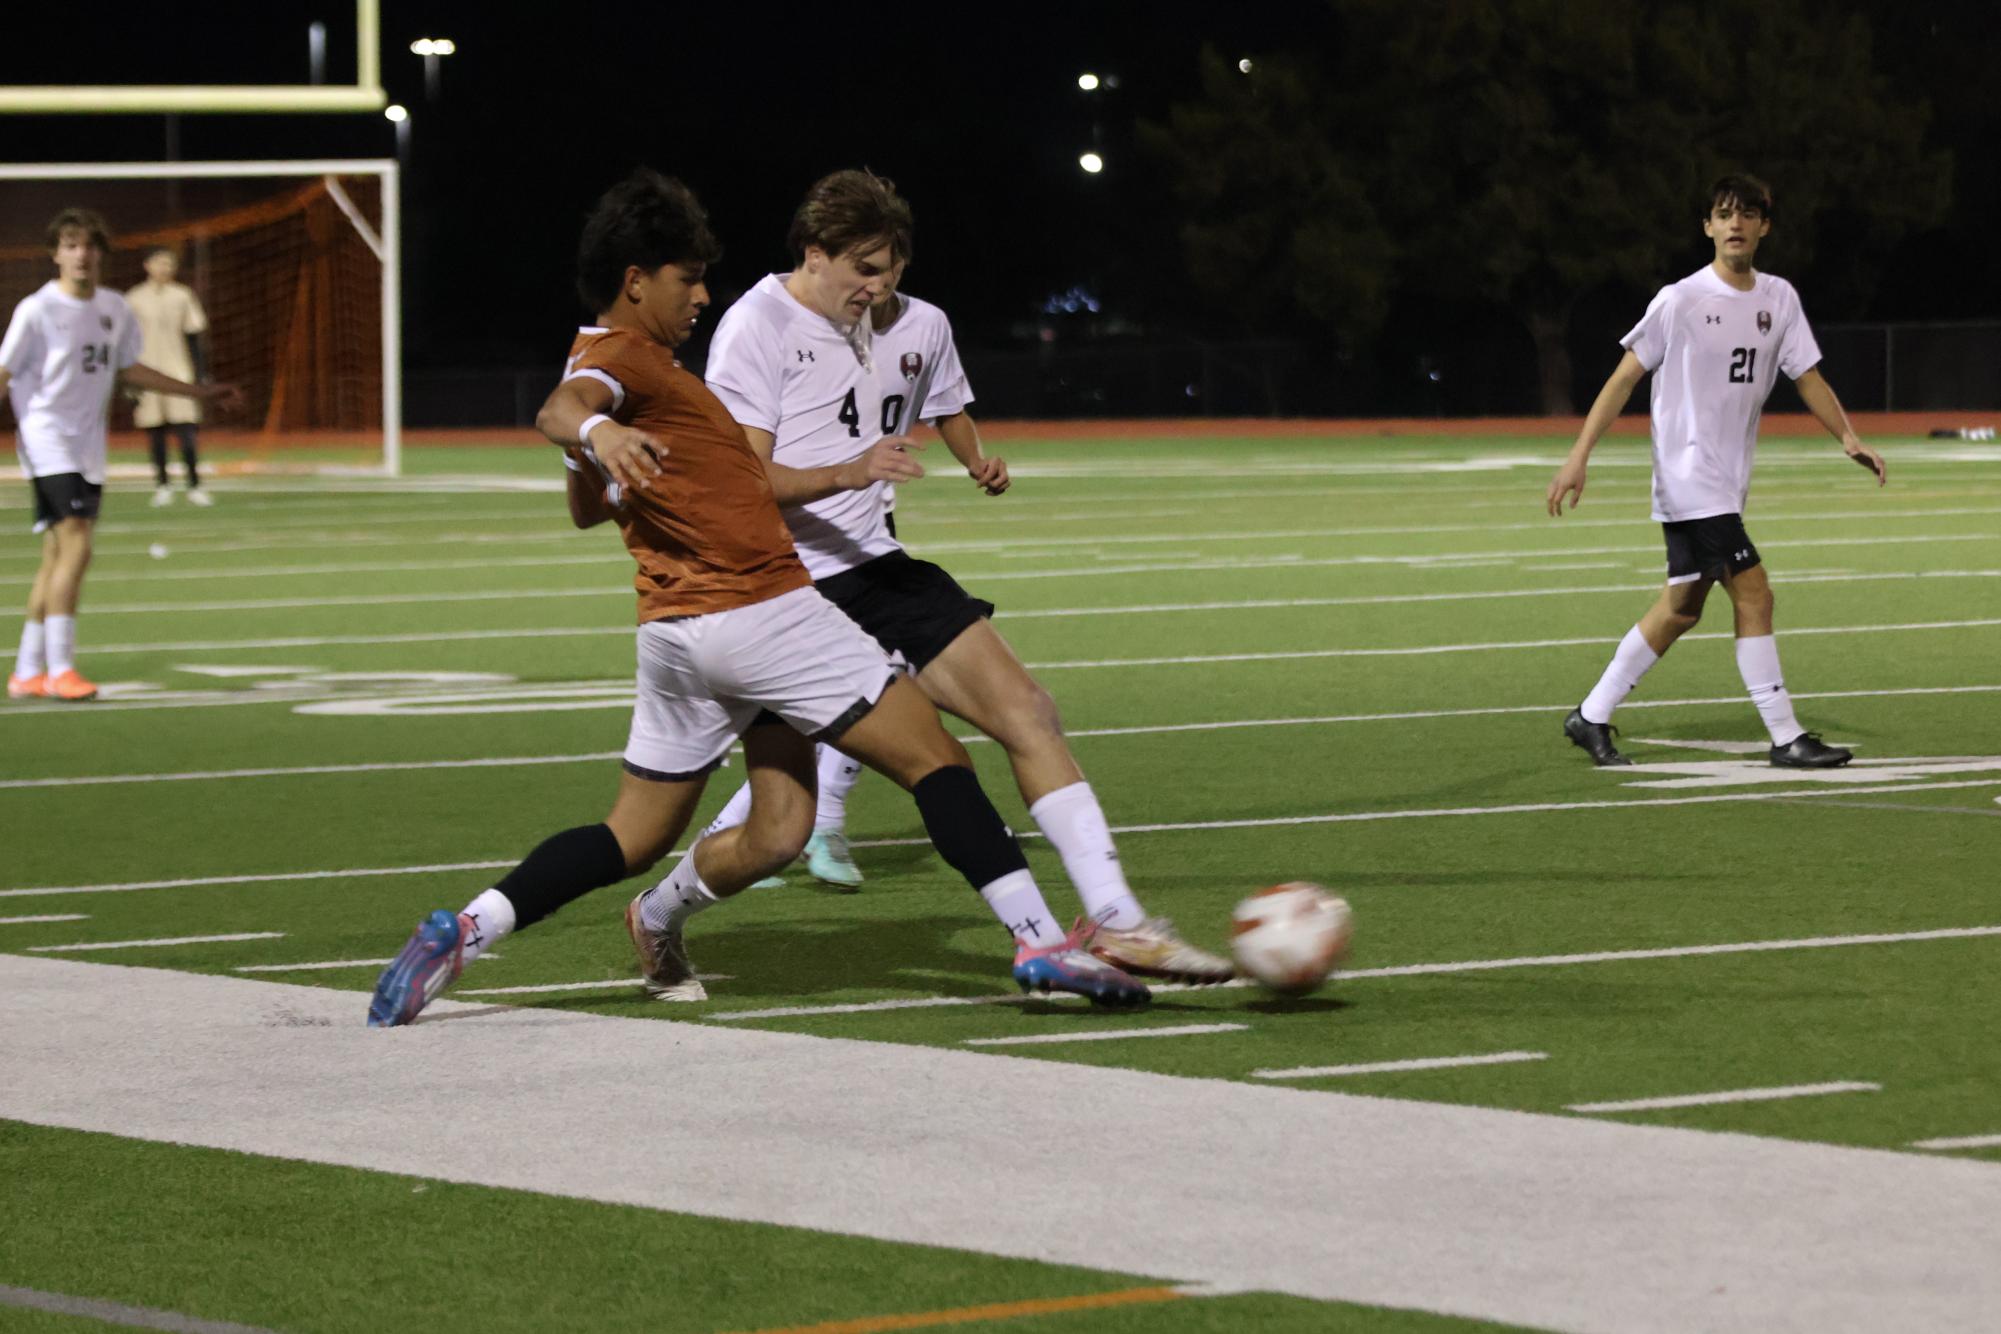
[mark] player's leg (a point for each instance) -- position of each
(828, 858)
(1673, 614)
(1793, 747)
(62, 593)
(184, 432)
(156, 444)
(31, 665)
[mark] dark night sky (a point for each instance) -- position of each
(977, 118)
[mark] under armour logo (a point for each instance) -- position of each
(804, 355)
(1712, 319)
(1742, 555)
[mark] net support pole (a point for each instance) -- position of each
(392, 320)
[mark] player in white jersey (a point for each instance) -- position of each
(172, 323)
(796, 364)
(1714, 342)
(67, 347)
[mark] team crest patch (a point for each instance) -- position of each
(1764, 321)
(912, 365)
(105, 320)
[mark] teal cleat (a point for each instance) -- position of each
(828, 860)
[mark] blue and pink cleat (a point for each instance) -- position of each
(429, 961)
(1070, 966)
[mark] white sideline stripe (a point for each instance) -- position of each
(1409, 715)
(116, 1313)
(149, 944)
(1387, 1067)
(608, 984)
(989, 576)
(1385, 599)
(1732, 1095)
(46, 917)
(1105, 1035)
(1961, 1142)
(1408, 970)
(329, 963)
(1270, 822)
(1607, 1227)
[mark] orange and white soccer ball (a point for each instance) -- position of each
(1291, 936)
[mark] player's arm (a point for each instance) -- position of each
(887, 460)
(1818, 395)
(137, 376)
(589, 505)
(962, 437)
(6, 378)
(1605, 410)
(580, 407)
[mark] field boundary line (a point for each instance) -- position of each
(1958, 1142)
(966, 1315)
(1728, 1096)
(1391, 1067)
(115, 1313)
(87, 945)
(1104, 1035)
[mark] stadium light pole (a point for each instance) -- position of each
(432, 49)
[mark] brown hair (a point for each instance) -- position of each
(84, 220)
(849, 212)
(1750, 194)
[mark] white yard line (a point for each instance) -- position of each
(1961, 1142)
(298, 770)
(328, 964)
(152, 944)
(46, 917)
(193, 881)
(1730, 1095)
(1392, 1067)
(1607, 1227)
(1407, 970)
(606, 984)
(1104, 1035)
(116, 1313)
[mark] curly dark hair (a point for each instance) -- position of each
(647, 220)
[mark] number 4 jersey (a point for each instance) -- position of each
(1714, 352)
(826, 394)
(64, 354)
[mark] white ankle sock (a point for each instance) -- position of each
(1758, 664)
(1074, 823)
(29, 661)
(1629, 663)
(485, 920)
(1018, 903)
(734, 812)
(61, 644)
(837, 778)
(679, 896)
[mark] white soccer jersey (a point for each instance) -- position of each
(928, 383)
(64, 355)
(1714, 352)
(824, 395)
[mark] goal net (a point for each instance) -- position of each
(295, 266)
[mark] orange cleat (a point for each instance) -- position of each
(27, 687)
(70, 686)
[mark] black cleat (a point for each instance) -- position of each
(1808, 751)
(1596, 738)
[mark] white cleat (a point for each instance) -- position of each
(162, 496)
(664, 967)
(1155, 949)
(197, 496)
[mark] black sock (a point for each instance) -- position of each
(156, 440)
(964, 826)
(563, 867)
(186, 435)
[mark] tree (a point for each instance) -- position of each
(1526, 153)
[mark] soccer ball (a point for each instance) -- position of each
(1291, 936)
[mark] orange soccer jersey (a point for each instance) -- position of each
(706, 533)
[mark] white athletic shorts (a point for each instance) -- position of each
(704, 679)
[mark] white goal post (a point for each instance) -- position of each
(384, 241)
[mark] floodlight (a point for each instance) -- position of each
(1244, 65)
(395, 113)
(1091, 163)
(1088, 82)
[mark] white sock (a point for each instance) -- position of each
(679, 896)
(1758, 664)
(1018, 903)
(61, 644)
(29, 661)
(1074, 823)
(484, 921)
(734, 812)
(1629, 663)
(837, 778)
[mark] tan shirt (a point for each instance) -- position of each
(167, 314)
(706, 533)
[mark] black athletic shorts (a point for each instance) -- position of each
(65, 495)
(1706, 548)
(911, 606)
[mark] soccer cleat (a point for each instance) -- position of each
(69, 685)
(1152, 949)
(162, 496)
(1808, 751)
(1595, 738)
(429, 961)
(197, 496)
(769, 882)
(1070, 966)
(828, 860)
(27, 687)
(664, 966)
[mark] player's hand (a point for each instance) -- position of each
(1569, 481)
(890, 459)
(990, 474)
(1869, 459)
(226, 397)
(632, 457)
